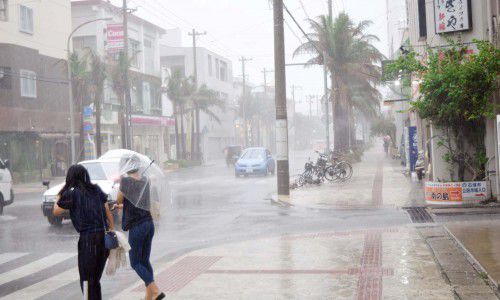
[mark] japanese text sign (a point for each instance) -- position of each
(452, 15)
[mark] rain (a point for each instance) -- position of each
(271, 149)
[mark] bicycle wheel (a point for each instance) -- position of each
(343, 171)
(330, 173)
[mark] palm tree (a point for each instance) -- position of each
(179, 89)
(204, 100)
(116, 72)
(97, 74)
(351, 59)
(80, 84)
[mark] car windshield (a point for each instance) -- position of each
(102, 170)
(253, 154)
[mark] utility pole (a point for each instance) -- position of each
(244, 97)
(265, 71)
(195, 139)
(127, 130)
(325, 86)
(283, 172)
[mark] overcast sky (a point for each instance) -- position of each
(245, 28)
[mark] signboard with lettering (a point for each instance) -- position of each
(114, 38)
(413, 145)
(452, 15)
(456, 193)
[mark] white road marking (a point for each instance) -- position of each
(44, 287)
(7, 218)
(35, 266)
(6, 257)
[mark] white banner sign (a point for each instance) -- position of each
(452, 15)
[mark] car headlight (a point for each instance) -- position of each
(49, 198)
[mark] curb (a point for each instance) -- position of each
(474, 262)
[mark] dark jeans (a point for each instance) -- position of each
(140, 238)
(92, 256)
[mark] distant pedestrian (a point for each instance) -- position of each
(90, 215)
(387, 143)
(137, 219)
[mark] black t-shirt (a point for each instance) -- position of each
(135, 210)
(86, 209)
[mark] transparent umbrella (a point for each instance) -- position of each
(143, 183)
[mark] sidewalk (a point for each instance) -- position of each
(391, 263)
(35, 187)
(377, 182)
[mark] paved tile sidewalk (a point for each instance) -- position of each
(377, 182)
(392, 263)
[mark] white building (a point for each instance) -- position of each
(427, 28)
(215, 71)
(34, 113)
(150, 123)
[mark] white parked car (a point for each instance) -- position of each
(6, 192)
(104, 172)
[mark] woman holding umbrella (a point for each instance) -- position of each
(135, 199)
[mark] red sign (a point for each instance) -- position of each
(114, 38)
(153, 121)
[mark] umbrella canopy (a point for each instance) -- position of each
(143, 183)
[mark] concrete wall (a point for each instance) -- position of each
(51, 26)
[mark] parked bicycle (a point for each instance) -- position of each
(336, 170)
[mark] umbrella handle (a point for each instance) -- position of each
(150, 164)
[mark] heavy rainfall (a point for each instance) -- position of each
(270, 149)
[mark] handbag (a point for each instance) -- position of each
(110, 238)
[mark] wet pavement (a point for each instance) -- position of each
(482, 240)
(227, 231)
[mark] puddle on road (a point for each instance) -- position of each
(482, 240)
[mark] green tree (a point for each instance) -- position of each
(116, 69)
(352, 61)
(455, 94)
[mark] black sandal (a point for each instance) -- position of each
(160, 296)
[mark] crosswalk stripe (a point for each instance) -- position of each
(46, 286)
(34, 267)
(6, 257)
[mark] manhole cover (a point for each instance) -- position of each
(419, 215)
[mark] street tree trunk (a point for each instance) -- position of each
(198, 135)
(341, 117)
(177, 140)
(183, 135)
(98, 138)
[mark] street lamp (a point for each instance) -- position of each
(70, 88)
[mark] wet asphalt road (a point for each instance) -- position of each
(208, 206)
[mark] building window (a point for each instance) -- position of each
(422, 19)
(26, 19)
(210, 70)
(4, 5)
(223, 71)
(217, 68)
(28, 83)
(134, 51)
(149, 55)
(5, 78)
(81, 43)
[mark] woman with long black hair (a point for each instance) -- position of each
(91, 216)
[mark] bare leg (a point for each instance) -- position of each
(153, 290)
